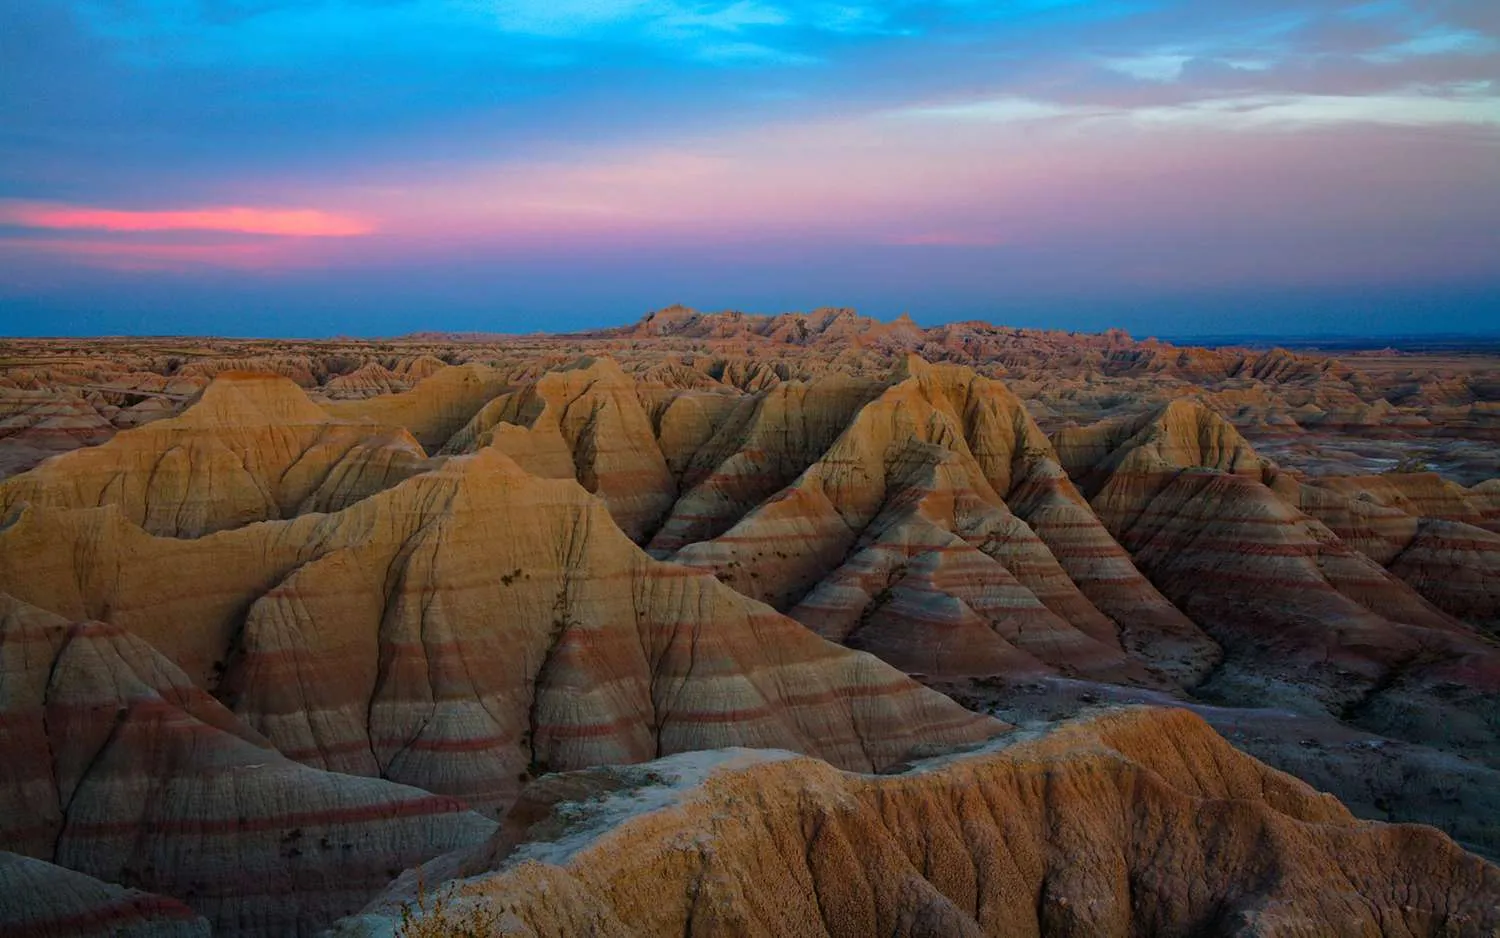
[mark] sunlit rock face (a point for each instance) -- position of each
(1132, 822)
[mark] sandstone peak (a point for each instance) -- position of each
(239, 399)
(251, 447)
(597, 368)
(912, 365)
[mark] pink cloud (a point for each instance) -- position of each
(1259, 205)
(295, 223)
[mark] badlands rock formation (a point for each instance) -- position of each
(1302, 615)
(467, 627)
(1136, 822)
(250, 448)
(434, 409)
(269, 599)
(907, 509)
(119, 768)
(65, 904)
(584, 421)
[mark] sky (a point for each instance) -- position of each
(377, 167)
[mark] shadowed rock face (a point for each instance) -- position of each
(1135, 822)
(120, 768)
(395, 593)
(63, 904)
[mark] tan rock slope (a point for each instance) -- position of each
(36, 423)
(1300, 613)
(1438, 536)
(119, 768)
(898, 538)
(433, 410)
(746, 455)
(1135, 822)
(583, 422)
(252, 448)
(728, 456)
(1421, 495)
(371, 379)
(471, 625)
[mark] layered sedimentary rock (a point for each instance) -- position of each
(251, 448)
(469, 626)
(369, 380)
(119, 767)
(1457, 567)
(417, 586)
(756, 449)
(418, 367)
(1136, 822)
(685, 420)
(432, 411)
(1302, 615)
(1420, 495)
(583, 422)
(42, 900)
(900, 488)
(36, 424)
(1134, 459)
(301, 369)
(1380, 532)
(897, 539)
(1435, 535)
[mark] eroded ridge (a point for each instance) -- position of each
(1132, 822)
(283, 619)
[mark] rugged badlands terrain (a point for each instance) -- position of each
(721, 624)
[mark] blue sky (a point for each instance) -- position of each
(383, 166)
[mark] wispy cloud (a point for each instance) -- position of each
(1438, 41)
(1157, 66)
(296, 223)
(1255, 112)
(1454, 104)
(145, 241)
(1167, 67)
(1007, 109)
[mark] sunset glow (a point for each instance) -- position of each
(295, 223)
(1054, 163)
